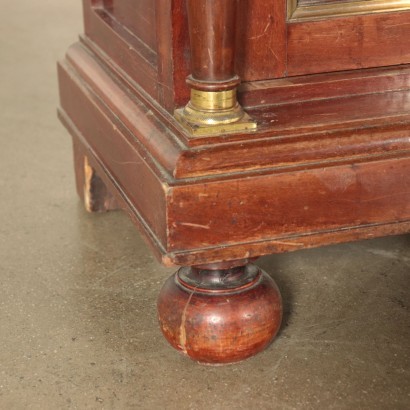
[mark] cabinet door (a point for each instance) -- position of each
(316, 36)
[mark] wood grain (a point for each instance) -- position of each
(120, 48)
(325, 86)
(220, 324)
(212, 29)
(137, 16)
(329, 162)
(295, 203)
(126, 164)
(348, 43)
(261, 44)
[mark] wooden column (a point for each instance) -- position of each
(213, 107)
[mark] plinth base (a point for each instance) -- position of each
(313, 173)
(246, 124)
(220, 316)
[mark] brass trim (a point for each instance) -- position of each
(213, 100)
(198, 116)
(214, 112)
(346, 8)
(245, 124)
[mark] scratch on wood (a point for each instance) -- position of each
(263, 33)
(195, 225)
(182, 329)
(288, 243)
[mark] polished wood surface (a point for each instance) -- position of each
(158, 58)
(212, 28)
(261, 53)
(325, 86)
(136, 16)
(220, 316)
(348, 43)
(314, 154)
(328, 163)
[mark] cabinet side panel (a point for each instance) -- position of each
(137, 16)
(120, 49)
(122, 160)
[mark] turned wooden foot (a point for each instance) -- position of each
(220, 316)
(90, 187)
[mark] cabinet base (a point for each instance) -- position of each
(315, 172)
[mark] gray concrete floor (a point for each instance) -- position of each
(77, 291)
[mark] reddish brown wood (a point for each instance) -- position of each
(137, 16)
(118, 46)
(332, 148)
(237, 251)
(329, 163)
(288, 243)
(357, 145)
(220, 316)
(149, 42)
(169, 76)
(212, 29)
(331, 130)
(139, 118)
(323, 115)
(348, 43)
(127, 166)
(289, 203)
(325, 86)
(261, 43)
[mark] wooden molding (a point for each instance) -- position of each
(315, 172)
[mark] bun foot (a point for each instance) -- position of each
(220, 316)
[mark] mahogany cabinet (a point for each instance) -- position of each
(232, 129)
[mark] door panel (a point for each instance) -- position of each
(360, 41)
(317, 36)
